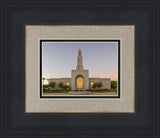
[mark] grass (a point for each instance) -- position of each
(112, 90)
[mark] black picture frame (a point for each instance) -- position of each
(144, 123)
(73, 96)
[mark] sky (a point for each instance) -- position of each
(59, 58)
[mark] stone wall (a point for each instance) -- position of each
(106, 82)
(57, 80)
(84, 74)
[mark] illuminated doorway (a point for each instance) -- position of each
(79, 83)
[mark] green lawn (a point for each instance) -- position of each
(112, 90)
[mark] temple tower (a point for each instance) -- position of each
(79, 60)
(79, 77)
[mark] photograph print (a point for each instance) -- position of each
(74, 68)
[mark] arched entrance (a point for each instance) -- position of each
(79, 82)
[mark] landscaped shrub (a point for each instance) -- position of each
(52, 84)
(97, 85)
(66, 87)
(114, 84)
(60, 85)
(45, 87)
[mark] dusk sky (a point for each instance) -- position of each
(59, 58)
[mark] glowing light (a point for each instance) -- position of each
(79, 83)
(92, 85)
(116, 77)
(67, 83)
(101, 76)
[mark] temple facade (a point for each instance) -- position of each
(80, 79)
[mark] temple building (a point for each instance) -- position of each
(80, 78)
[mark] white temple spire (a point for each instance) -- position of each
(79, 60)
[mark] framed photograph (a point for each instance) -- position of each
(80, 69)
(58, 80)
(73, 72)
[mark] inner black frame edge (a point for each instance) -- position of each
(116, 40)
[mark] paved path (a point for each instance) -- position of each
(93, 93)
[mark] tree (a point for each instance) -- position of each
(52, 84)
(99, 85)
(60, 85)
(113, 84)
